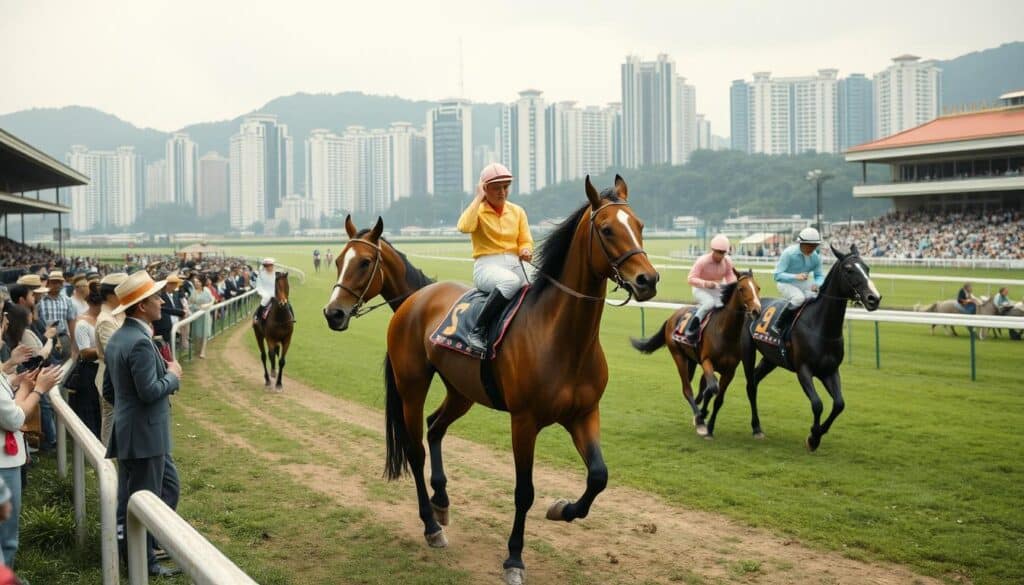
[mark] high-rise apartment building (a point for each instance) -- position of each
(182, 174)
(597, 139)
(658, 113)
(156, 184)
(524, 141)
(261, 170)
(786, 115)
(449, 133)
(907, 94)
(112, 197)
(686, 114)
(408, 161)
(563, 126)
(856, 111)
(214, 178)
(739, 115)
(704, 141)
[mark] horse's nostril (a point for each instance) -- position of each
(641, 280)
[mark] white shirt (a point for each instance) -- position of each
(85, 334)
(265, 286)
(12, 417)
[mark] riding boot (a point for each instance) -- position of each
(291, 312)
(494, 306)
(692, 330)
(783, 322)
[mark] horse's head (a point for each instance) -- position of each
(281, 289)
(855, 278)
(749, 291)
(616, 247)
(360, 275)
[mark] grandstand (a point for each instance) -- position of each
(26, 169)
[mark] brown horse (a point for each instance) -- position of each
(276, 330)
(718, 350)
(551, 368)
(368, 266)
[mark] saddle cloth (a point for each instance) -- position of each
(679, 331)
(453, 332)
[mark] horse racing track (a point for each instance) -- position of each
(919, 481)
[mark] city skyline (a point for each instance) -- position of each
(185, 70)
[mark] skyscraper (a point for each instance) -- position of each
(524, 141)
(261, 170)
(111, 198)
(449, 133)
(597, 139)
(907, 94)
(739, 115)
(856, 111)
(658, 108)
(182, 159)
(326, 160)
(212, 198)
(704, 133)
(686, 116)
(408, 161)
(156, 184)
(563, 126)
(787, 115)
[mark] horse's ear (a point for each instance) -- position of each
(350, 227)
(621, 188)
(378, 229)
(854, 250)
(839, 255)
(592, 195)
(736, 273)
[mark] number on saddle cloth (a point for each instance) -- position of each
(453, 332)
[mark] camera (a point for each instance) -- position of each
(30, 364)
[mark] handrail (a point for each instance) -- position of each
(87, 446)
(196, 556)
(290, 269)
(195, 316)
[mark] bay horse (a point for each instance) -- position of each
(316, 264)
(276, 331)
(369, 266)
(551, 368)
(815, 344)
(717, 351)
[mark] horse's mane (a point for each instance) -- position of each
(728, 290)
(414, 277)
(553, 251)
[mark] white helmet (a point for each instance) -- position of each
(720, 242)
(809, 235)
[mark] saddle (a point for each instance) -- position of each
(461, 318)
(763, 328)
(679, 331)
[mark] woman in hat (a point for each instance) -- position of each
(501, 238)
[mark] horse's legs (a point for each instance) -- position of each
(454, 406)
(412, 408)
(280, 363)
(263, 354)
(709, 376)
(586, 435)
(803, 374)
(524, 440)
(754, 378)
(685, 369)
(834, 388)
(723, 385)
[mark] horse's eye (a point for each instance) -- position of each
(365, 263)
(606, 231)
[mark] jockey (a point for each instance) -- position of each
(708, 273)
(798, 275)
(266, 287)
(501, 238)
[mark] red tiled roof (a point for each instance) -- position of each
(989, 124)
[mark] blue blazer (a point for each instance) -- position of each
(141, 385)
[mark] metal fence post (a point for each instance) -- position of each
(78, 491)
(878, 350)
(849, 341)
(973, 368)
(643, 323)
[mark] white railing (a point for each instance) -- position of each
(973, 263)
(200, 560)
(212, 311)
(289, 269)
(87, 446)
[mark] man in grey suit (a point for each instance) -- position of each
(141, 382)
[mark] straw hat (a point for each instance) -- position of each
(269, 261)
(56, 275)
(173, 278)
(114, 278)
(33, 282)
(135, 289)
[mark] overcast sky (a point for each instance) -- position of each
(165, 64)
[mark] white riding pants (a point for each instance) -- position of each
(797, 293)
(499, 271)
(706, 300)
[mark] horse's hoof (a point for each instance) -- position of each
(702, 430)
(760, 436)
(709, 437)
(556, 509)
(440, 514)
(812, 443)
(515, 576)
(437, 539)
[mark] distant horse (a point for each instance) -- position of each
(368, 266)
(551, 368)
(276, 330)
(718, 350)
(316, 264)
(987, 306)
(815, 344)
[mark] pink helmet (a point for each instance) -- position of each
(720, 243)
(495, 172)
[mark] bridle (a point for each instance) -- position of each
(840, 267)
(615, 263)
(357, 309)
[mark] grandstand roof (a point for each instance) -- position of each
(989, 124)
(26, 168)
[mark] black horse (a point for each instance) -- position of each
(814, 348)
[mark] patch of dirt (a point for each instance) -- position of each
(630, 535)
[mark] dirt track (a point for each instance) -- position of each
(630, 536)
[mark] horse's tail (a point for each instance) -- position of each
(929, 309)
(397, 436)
(652, 344)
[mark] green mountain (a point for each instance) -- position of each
(981, 77)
